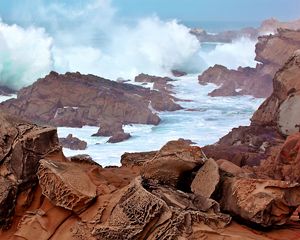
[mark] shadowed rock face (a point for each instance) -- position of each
(22, 145)
(281, 108)
(272, 52)
(75, 100)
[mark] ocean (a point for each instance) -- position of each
(114, 49)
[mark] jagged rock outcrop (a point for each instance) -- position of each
(272, 52)
(286, 165)
(113, 129)
(281, 108)
(22, 145)
(158, 214)
(275, 119)
(263, 202)
(244, 81)
(75, 100)
(73, 143)
(161, 84)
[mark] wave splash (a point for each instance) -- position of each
(93, 38)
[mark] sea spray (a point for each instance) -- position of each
(25, 55)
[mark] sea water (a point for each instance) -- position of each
(204, 120)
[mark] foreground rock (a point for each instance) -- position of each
(75, 100)
(168, 165)
(56, 178)
(22, 145)
(255, 81)
(263, 202)
(75, 199)
(73, 143)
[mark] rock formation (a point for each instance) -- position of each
(224, 37)
(47, 196)
(267, 27)
(271, 51)
(275, 119)
(75, 100)
(161, 84)
(271, 25)
(73, 143)
(4, 91)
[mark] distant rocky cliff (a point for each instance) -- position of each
(272, 52)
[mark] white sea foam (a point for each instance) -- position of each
(210, 119)
(241, 52)
(90, 37)
(25, 55)
(4, 98)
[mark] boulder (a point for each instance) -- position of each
(119, 137)
(62, 188)
(137, 159)
(262, 202)
(172, 162)
(207, 179)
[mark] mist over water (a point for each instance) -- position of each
(91, 37)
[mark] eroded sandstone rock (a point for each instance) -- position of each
(207, 179)
(263, 202)
(171, 163)
(22, 145)
(141, 214)
(66, 185)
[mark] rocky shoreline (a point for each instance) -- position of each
(246, 186)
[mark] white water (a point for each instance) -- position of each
(213, 118)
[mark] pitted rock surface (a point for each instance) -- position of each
(66, 185)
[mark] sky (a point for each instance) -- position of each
(210, 10)
(184, 10)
